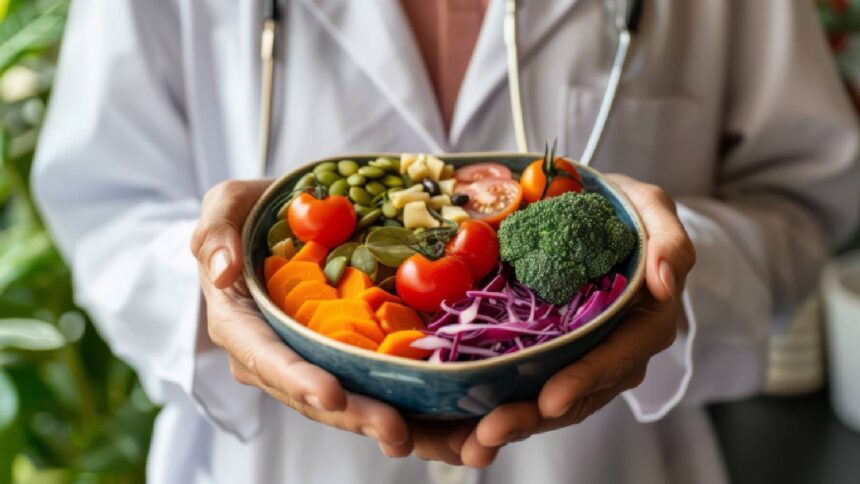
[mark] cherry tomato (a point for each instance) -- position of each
(477, 244)
(424, 284)
(328, 221)
(491, 199)
(480, 171)
(533, 180)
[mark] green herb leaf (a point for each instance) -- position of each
(391, 245)
(364, 260)
(344, 250)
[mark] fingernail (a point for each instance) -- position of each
(562, 412)
(370, 432)
(667, 277)
(218, 264)
(314, 401)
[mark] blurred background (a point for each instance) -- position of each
(72, 412)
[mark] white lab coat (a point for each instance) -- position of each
(732, 106)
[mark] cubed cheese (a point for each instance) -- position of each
(416, 215)
(455, 214)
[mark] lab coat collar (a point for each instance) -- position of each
(377, 36)
(487, 72)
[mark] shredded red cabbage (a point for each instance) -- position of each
(504, 317)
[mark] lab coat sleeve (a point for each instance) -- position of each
(115, 179)
(788, 191)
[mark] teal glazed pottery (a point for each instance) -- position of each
(449, 390)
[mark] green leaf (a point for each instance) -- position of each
(8, 401)
(30, 29)
(29, 335)
(24, 254)
(391, 245)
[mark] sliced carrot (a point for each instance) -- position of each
(340, 310)
(312, 252)
(288, 276)
(399, 343)
(307, 290)
(306, 311)
(353, 282)
(272, 264)
(354, 339)
(398, 317)
(375, 296)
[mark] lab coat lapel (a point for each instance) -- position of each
(487, 70)
(377, 36)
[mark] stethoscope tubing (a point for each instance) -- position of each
(626, 21)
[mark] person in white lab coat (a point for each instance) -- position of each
(731, 107)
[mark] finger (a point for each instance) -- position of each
(431, 442)
(216, 243)
(266, 360)
(643, 333)
(476, 455)
(396, 451)
(670, 253)
(508, 423)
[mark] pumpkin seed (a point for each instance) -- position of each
(392, 223)
(392, 181)
(371, 218)
(388, 209)
(340, 187)
(278, 232)
(307, 181)
(334, 269)
(375, 188)
(363, 260)
(361, 210)
(324, 167)
(382, 163)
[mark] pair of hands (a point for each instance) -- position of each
(258, 357)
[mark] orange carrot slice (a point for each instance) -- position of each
(288, 276)
(306, 311)
(312, 252)
(307, 290)
(399, 343)
(340, 309)
(398, 317)
(272, 264)
(354, 339)
(353, 282)
(375, 296)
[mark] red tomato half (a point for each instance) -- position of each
(329, 221)
(491, 199)
(424, 284)
(477, 244)
(480, 171)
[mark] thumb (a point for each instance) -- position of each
(216, 242)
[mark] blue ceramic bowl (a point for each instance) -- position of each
(450, 390)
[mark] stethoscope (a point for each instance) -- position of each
(627, 14)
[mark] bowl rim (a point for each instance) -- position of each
(261, 297)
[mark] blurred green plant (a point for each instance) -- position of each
(70, 412)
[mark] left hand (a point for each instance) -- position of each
(618, 363)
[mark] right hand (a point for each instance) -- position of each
(257, 355)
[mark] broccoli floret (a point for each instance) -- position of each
(556, 245)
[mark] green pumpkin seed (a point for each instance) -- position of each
(347, 167)
(343, 250)
(324, 167)
(307, 181)
(392, 181)
(363, 260)
(361, 210)
(340, 187)
(356, 180)
(326, 178)
(388, 209)
(375, 188)
(377, 200)
(382, 163)
(279, 231)
(334, 269)
(370, 171)
(371, 218)
(360, 195)
(282, 212)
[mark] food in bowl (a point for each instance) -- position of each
(413, 258)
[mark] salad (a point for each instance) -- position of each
(413, 258)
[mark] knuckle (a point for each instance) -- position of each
(239, 373)
(620, 370)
